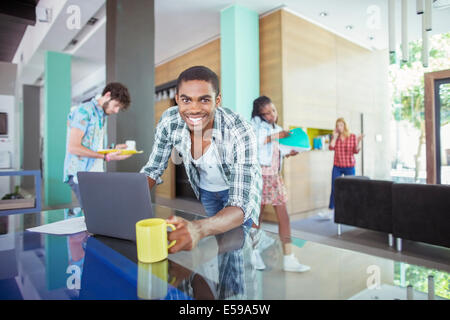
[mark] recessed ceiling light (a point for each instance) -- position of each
(92, 21)
(323, 14)
(349, 27)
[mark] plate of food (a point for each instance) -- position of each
(122, 151)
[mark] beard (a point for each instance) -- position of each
(105, 106)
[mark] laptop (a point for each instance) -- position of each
(114, 201)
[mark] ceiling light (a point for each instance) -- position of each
(404, 16)
(349, 27)
(92, 21)
(419, 6)
(371, 37)
(323, 14)
(428, 15)
(391, 26)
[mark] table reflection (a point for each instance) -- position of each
(107, 268)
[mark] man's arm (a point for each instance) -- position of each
(189, 233)
(151, 183)
(162, 149)
(76, 148)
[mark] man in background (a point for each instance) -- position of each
(86, 134)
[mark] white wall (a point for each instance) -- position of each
(8, 143)
(89, 86)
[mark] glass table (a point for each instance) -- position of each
(84, 266)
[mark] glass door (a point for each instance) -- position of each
(442, 113)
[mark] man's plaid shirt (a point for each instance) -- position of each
(237, 148)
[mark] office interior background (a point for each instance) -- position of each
(365, 60)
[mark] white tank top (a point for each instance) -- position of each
(211, 178)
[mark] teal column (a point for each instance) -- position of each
(57, 106)
(239, 56)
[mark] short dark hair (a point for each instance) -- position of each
(199, 73)
(119, 93)
(258, 104)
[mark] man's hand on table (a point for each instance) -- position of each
(187, 234)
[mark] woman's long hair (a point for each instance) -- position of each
(346, 132)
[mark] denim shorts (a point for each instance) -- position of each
(213, 202)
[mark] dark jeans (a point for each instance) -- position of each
(75, 189)
(337, 172)
(213, 202)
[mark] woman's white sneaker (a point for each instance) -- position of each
(290, 263)
(328, 214)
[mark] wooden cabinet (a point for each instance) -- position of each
(308, 182)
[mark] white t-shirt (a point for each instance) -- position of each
(211, 178)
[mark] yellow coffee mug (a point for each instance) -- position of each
(151, 239)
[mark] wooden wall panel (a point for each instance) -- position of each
(308, 180)
(207, 55)
(271, 73)
(309, 74)
(270, 60)
(325, 77)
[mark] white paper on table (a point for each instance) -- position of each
(69, 226)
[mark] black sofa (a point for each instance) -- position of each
(415, 212)
(421, 212)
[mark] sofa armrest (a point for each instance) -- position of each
(422, 213)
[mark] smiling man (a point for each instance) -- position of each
(219, 152)
(86, 133)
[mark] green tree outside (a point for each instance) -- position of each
(418, 278)
(406, 80)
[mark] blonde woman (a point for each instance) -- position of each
(345, 146)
